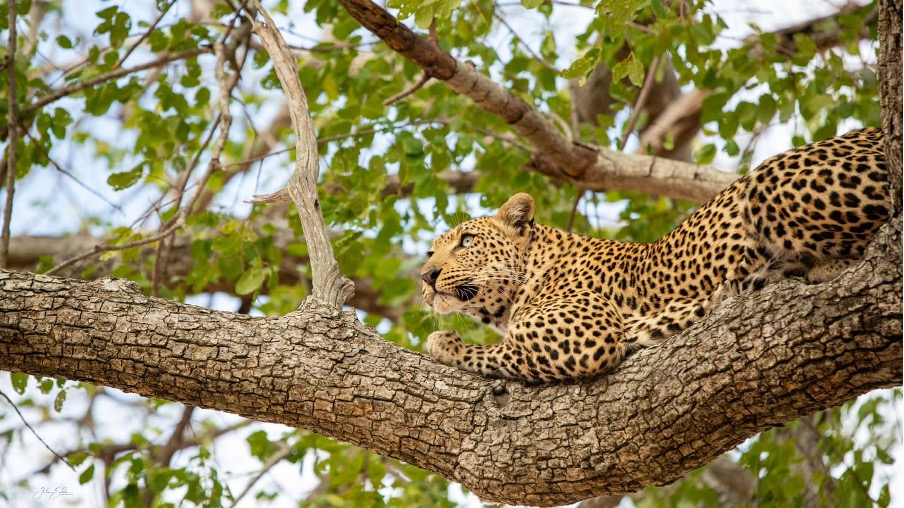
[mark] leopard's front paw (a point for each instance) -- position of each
(444, 346)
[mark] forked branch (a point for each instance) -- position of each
(330, 286)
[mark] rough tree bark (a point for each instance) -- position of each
(755, 362)
(890, 89)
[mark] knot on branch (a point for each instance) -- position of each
(114, 285)
(280, 196)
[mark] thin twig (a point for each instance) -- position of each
(178, 221)
(542, 61)
(57, 166)
(108, 76)
(405, 93)
(13, 134)
(641, 101)
(574, 209)
(162, 252)
(98, 249)
(225, 53)
(176, 438)
(284, 451)
(11, 403)
(336, 47)
(431, 33)
(145, 35)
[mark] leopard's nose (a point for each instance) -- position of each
(430, 276)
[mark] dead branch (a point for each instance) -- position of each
(329, 284)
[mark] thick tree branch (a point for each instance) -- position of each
(592, 168)
(329, 284)
(756, 361)
(890, 90)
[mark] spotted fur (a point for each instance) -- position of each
(570, 306)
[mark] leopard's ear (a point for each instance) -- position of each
(517, 212)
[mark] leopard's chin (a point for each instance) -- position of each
(446, 304)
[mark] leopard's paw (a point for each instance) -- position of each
(444, 346)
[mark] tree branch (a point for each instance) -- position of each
(329, 284)
(756, 361)
(594, 168)
(12, 107)
(890, 90)
(59, 93)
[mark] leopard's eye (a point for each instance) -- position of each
(466, 240)
(429, 253)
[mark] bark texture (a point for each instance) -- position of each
(890, 87)
(755, 362)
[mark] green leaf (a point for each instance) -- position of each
(582, 66)
(77, 458)
(531, 4)
(423, 16)
(22, 7)
(59, 400)
(86, 475)
(705, 154)
(635, 72)
(64, 42)
(630, 67)
(250, 280)
(659, 9)
(259, 445)
(20, 382)
(126, 179)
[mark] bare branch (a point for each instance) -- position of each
(26, 252)
(681, 120)
(329, 284)
(542, 61)
(28, 425)
(823, 31)
(641, 101)
(405, 93)
(283, 451)
(59, 93)
(144, 36)
(890, 91)
(12, 106)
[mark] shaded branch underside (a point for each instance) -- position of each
(757, 361)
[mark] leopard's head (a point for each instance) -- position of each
(477, 266)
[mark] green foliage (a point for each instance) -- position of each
(144, 137)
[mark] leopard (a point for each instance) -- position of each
(572, 307)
